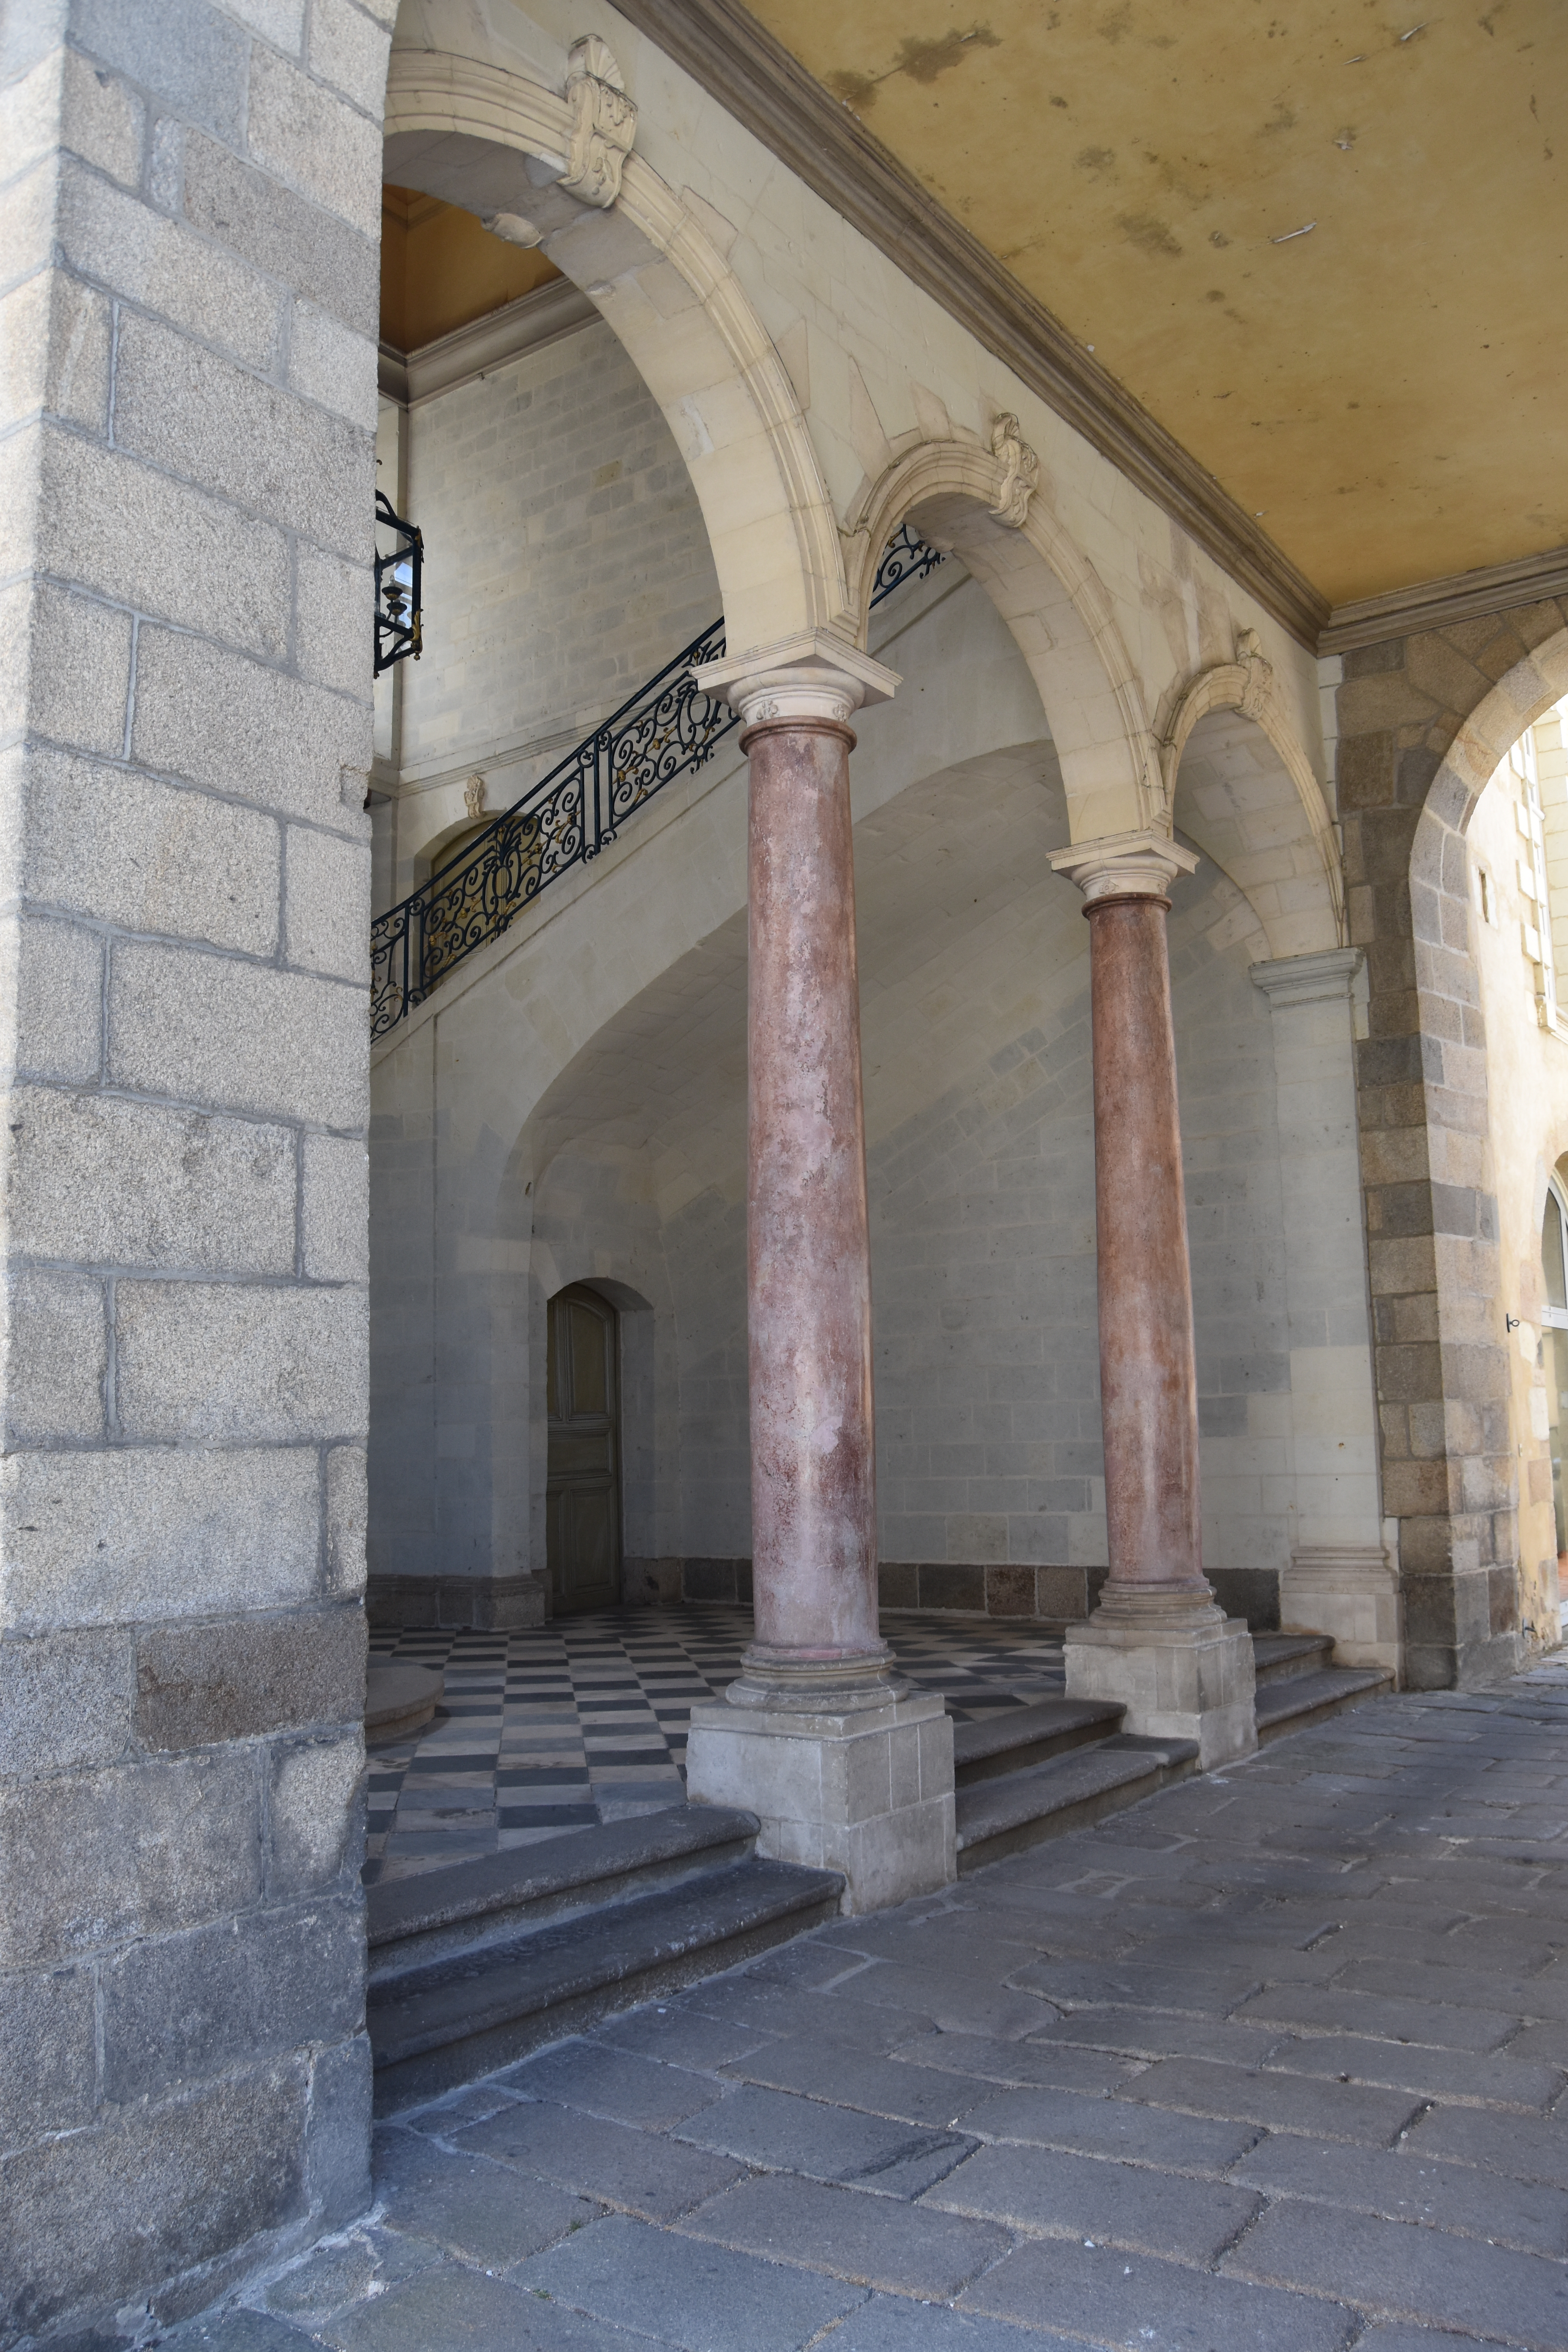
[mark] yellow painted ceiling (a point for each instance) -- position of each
(440, 268)
(1389, 390)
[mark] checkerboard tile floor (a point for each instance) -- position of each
(584, 1720)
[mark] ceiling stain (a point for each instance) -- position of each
(1424, 313)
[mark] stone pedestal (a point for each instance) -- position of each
(868, 1792)
(1181, 1674)
(1351, 1592)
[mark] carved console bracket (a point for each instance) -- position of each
(604, 122)
(1020, 472)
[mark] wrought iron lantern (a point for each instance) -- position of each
(399, 574)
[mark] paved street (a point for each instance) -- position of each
(1273, 2062)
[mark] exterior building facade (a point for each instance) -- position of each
(1158, 1274)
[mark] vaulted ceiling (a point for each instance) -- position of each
(1323, 243)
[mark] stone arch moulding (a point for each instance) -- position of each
(498, 144)
(1247, 684)
(964, 496)
(1520, 697)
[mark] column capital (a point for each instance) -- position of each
(1308, 979)
(814, 675)
(1124, 865)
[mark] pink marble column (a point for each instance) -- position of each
(1158, 1644)
(1148, 1374)
(813, 1500)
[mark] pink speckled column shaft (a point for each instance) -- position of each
(813, 1510)
(1148, 1374)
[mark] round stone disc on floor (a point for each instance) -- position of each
(399, 1699)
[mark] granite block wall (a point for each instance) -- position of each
(189, 210)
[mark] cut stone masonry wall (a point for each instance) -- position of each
(1407, 718)
(189, 220)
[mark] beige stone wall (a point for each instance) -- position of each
(1526, 1069)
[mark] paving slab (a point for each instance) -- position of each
(1397, 2186)
(1139, 1984)
(1039, 2061)
(679, 2036)
(1118, 2299)
(1283, 2101)
(230, 2331)
(909, 2093)
(1110, 2128)
(893, 2323)
(1486, 2077)
(783, 2133)
(1404, 2271)
(644, 2173)
(480, 2212)
(1045, 2191)
(959, 2000)
(455, 2309)
(875, 2240)
(616, 2084)
(1158, 2034)
(1520, 2147)
(1344, 2008)
(706, 2298)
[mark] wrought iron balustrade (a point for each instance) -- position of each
(668, 728)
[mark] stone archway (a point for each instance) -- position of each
(999, 519)
(1422, 724)
(501, 146)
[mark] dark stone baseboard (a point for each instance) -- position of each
(483, 1604)
(1038, 1596)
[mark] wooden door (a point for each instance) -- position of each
(584, 1488)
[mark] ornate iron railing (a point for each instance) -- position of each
(668, 728)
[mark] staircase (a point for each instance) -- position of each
(472, 1966)
(1297, 1686)
(475, 1965)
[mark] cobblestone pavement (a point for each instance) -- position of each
(1272, 2062)
(584, 1720)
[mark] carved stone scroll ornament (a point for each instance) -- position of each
(1020, 472)
(1260, 673)
(604, 122)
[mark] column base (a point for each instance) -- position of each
(1352, 1593)
(868, 1791)
(1180, 1667)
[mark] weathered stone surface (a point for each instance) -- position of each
(327, 903)
(64, 1700)
(237, 1036)
(55, 1356)
(316, 1810)
(98, 2214)
(154, 1848)
(125, 849)
(322, 257)
(48, 2055)
(875, 2241)
(621, 2271)
(189, 2007)
(312, 140)
(346, 1503)
(54, 973)
(335, 1209)
(660, 2180)
(155, 1532)
(484, 2212)
(216, 1362)
(130, 1184)
(199, 1685)
(337, 2142)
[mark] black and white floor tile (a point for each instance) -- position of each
(584, 1720)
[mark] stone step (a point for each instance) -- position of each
(1307, 1698)
(433, 2028)
(1001, 1816)
(399, 1699)
(1029, 1734)
(412, 1922)
(1278, 1657)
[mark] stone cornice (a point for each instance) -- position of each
(1437, 604)
(525, 325)
(724, 49)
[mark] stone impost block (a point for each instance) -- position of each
(1351, 1591)
(1176, 1681)
(868, 1794)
